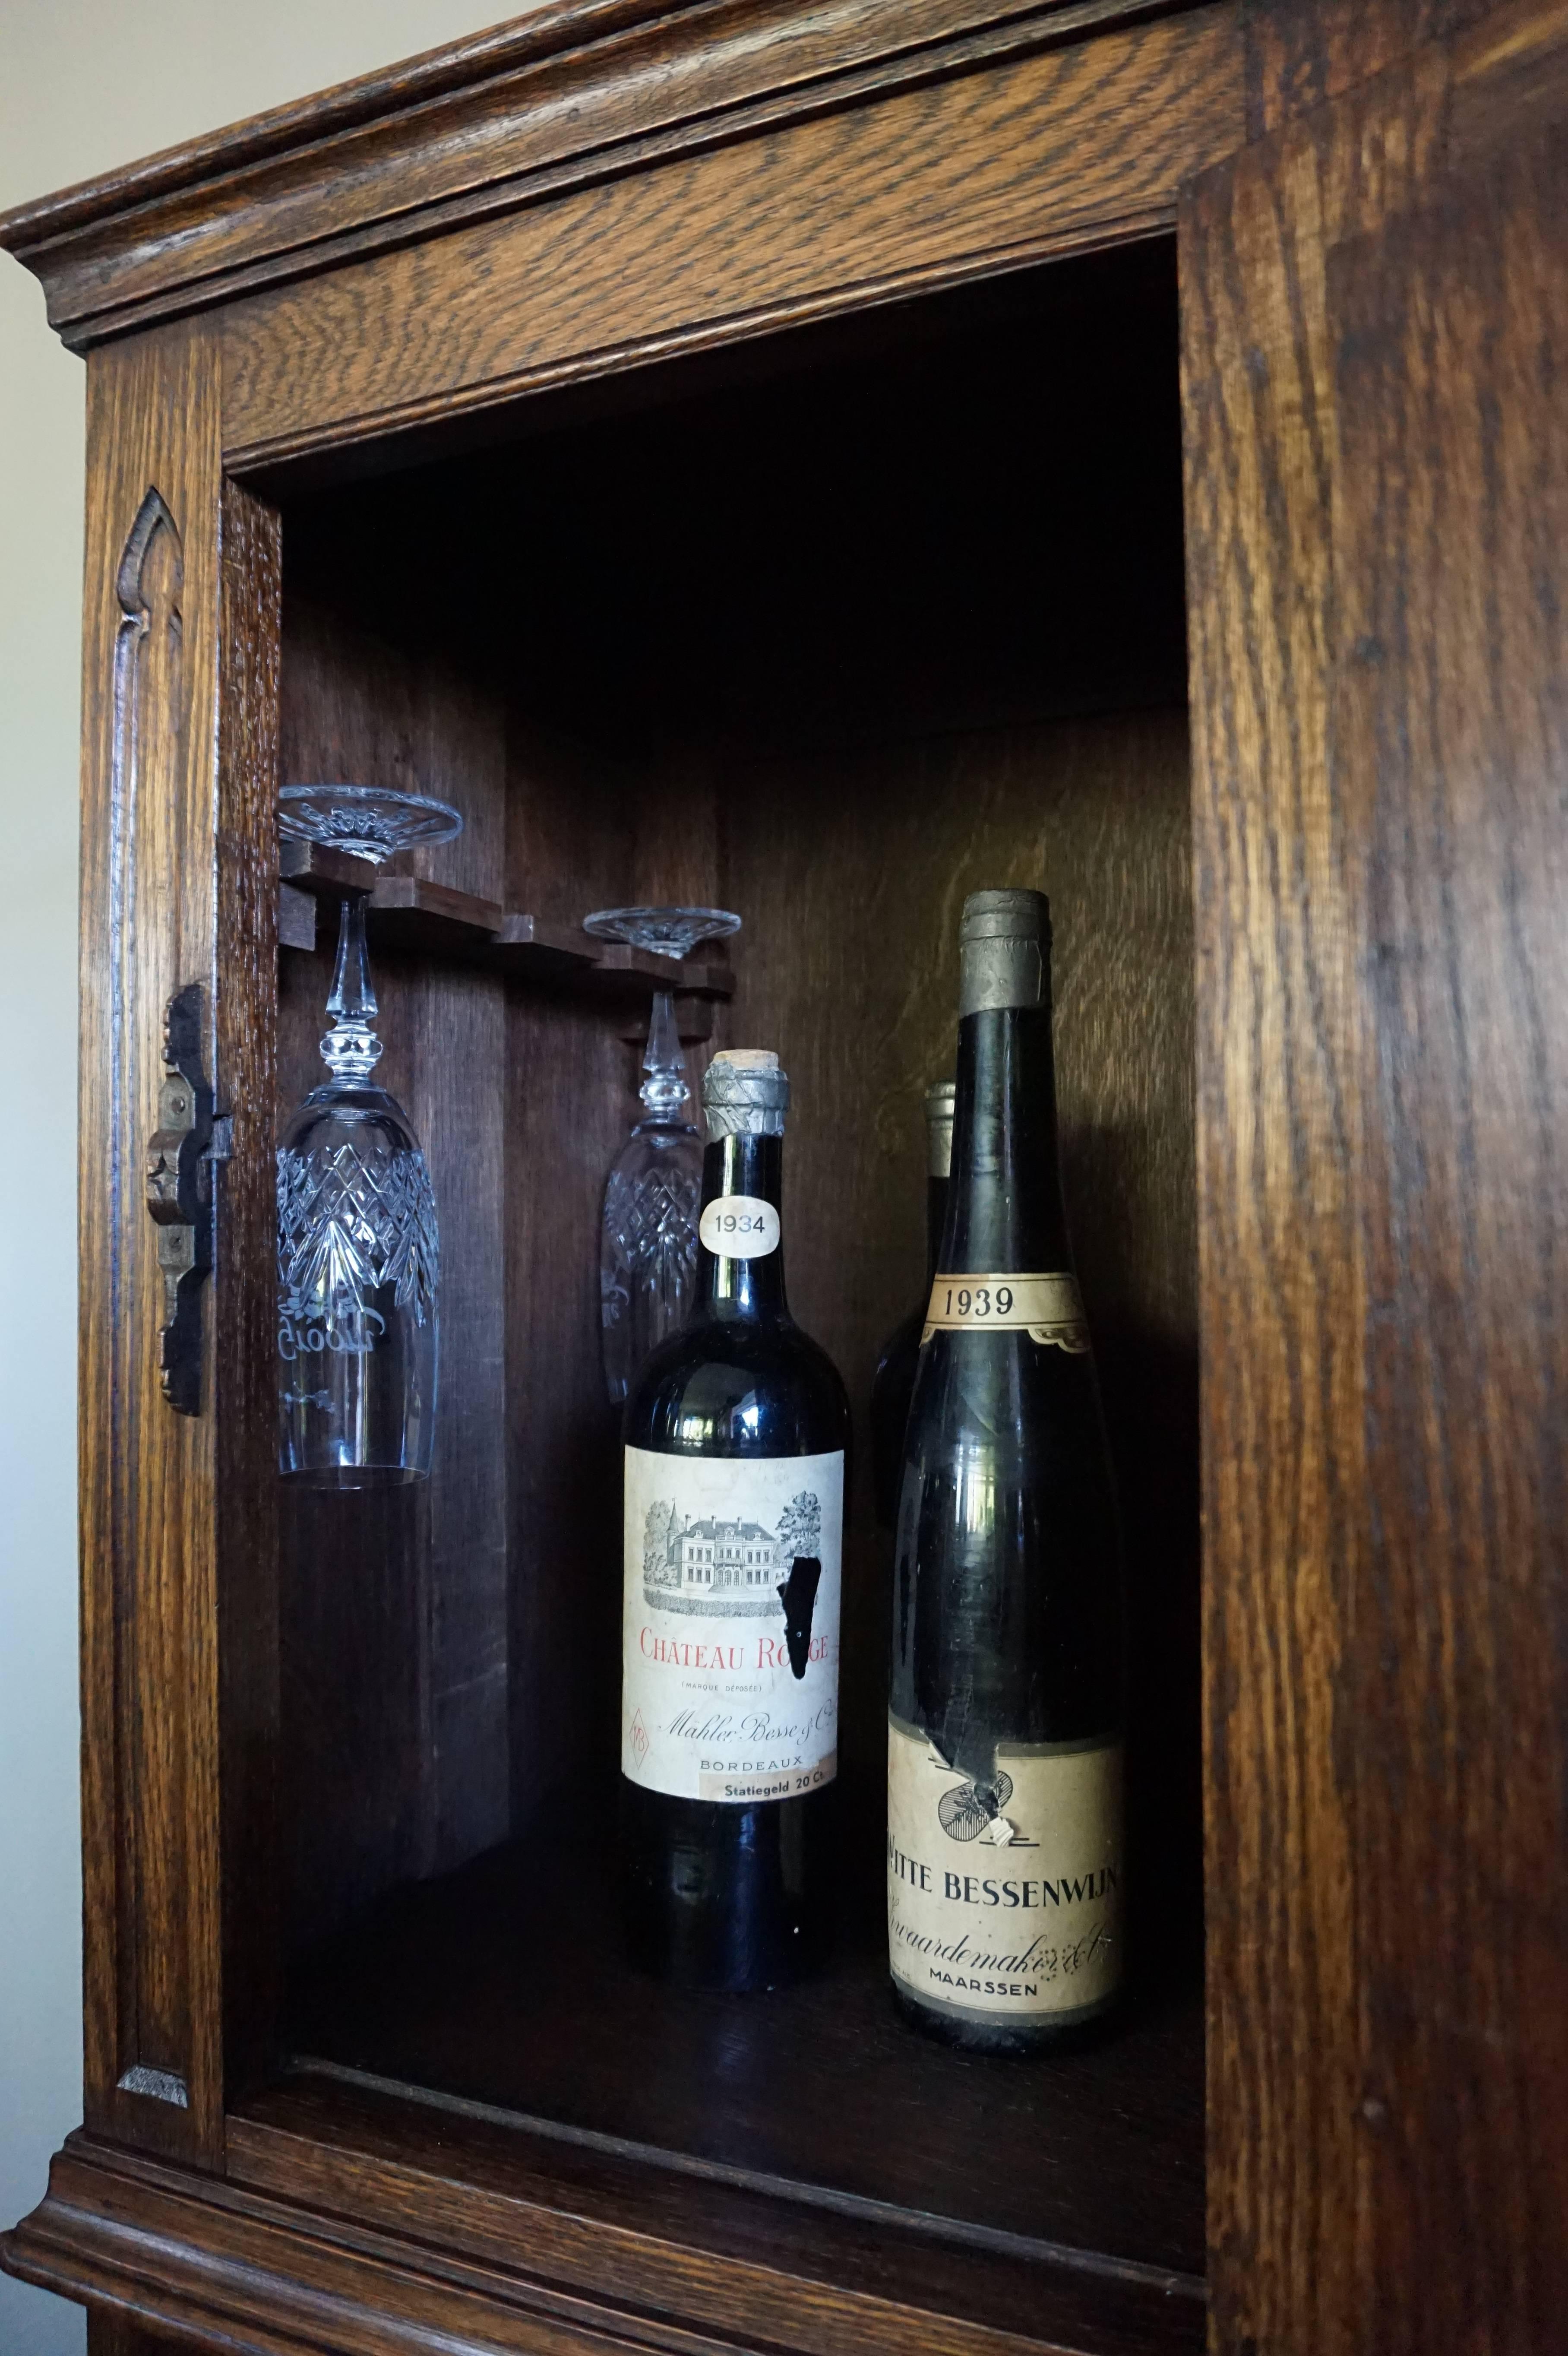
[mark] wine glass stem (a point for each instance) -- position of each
(665, 1090)
(351, 1048)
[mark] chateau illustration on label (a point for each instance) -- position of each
(736, 1567)
(730, 1625)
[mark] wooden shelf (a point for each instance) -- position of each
(498, 1995)
(323, 872)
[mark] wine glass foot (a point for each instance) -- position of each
(664, 932)
(368, 822)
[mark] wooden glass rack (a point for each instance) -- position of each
(415, 913)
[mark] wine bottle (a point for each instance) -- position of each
(735, 1436)
(1005, 1864)
(892, 1385)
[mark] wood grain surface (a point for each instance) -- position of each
(243, 1304)
(343, 108)
(493, 2186)
(413, 155)
(829, 623)
(1450, 748)
(855, 864)
(1078, 147)
(840, 756)
(394, 1613)
(569, 1093)
(1282, 1302)
(508, 1985)
(1362, 584)
(112, 2333)
(900, 683)
(1281, 1298)
(250, 2265)
(1301, 53)
(149, 1499)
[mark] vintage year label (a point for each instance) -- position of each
(1005, 1897)
(741, 1227)
(1048, 1308)
(730, 1625)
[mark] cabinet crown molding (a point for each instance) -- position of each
(579, 92)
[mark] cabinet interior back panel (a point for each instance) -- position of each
(855, 867)
(831, 636)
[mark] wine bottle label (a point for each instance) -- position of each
(1004, 1897)
(741, 1227)
(730, 1625)
(1047, 1308)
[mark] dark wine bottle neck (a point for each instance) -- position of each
(1004, 1206)
(935, 1220)
(730, 1286)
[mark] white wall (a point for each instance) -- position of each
(84, 85)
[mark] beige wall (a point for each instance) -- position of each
(84, 85)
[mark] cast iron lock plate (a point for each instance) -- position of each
(180, 1155)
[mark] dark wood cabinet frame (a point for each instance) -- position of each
(1369, 207)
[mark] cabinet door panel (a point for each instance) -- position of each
(1280, 1289)
(1450, 753)
(177, 859)
(1376, 333)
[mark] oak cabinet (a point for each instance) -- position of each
(824, 459)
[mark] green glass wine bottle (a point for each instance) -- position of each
(1005, 1861)
(892, 1384)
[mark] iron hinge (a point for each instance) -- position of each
(180, 1154)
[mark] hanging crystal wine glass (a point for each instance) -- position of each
(648, 1252)
(358, 1245)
